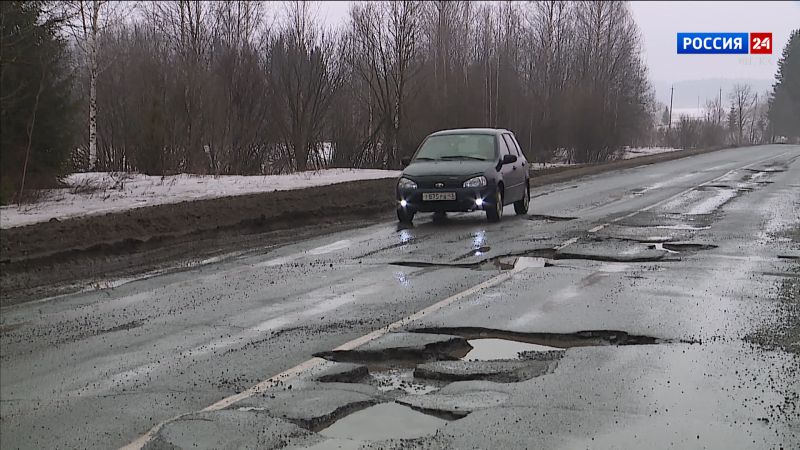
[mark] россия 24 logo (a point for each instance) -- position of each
(725, 43)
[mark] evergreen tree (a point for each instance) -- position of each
(784, 104)
(36, 109)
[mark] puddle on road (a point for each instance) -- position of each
(401, 379)
(384, 421)
(492, 349)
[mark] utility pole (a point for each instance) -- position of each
(719, 110)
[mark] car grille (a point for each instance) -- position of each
(446, 182)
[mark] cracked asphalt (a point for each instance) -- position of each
(655, 307)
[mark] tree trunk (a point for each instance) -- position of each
(92, 41)
(93, 111)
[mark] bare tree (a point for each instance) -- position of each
(305, 76)
(90, 19)
(382, 45)
(742, 100)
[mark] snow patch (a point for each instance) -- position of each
(635, 152)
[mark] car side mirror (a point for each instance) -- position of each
(405, 161)
(509, 159)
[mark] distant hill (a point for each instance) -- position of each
(687, 92)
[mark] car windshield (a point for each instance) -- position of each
(457, 146)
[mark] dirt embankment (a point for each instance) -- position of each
(37, 256)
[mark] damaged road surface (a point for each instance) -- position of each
(653, 307)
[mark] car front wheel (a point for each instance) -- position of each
(405, 216)
(495, 212)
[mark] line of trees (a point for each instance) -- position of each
(741, 121)
(245, 87)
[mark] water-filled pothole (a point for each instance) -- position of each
(508, 261)
(489, 349)
(384, 421)
(395, 350)
(559, 340)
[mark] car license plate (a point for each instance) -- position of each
(437, 196)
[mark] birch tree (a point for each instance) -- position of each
(90, 19)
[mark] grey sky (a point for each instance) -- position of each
(661, 21)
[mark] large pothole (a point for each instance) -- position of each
(559, 340)
(500, 371)
(401, 349)
(489, 349)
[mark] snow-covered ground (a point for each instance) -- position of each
(645, 151)
(549, 165)
(103, 192)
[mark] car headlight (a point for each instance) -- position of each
(405, 183)
(475, 182)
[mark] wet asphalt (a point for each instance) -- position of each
(649, 283)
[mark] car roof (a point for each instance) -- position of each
(494, 131)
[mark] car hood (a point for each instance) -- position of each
(447, 168)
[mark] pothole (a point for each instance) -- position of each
(687, 246)
(395, 350)
(557, 340)
(384, 421)
(452, 406)
(488, 349)
(767, 170)
(528, 258)
(550, 218)
(401, 380)
(669, 221)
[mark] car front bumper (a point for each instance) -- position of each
(465, 199)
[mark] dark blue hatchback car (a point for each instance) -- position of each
(465, 170)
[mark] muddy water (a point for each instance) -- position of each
(492, 349)
(384, 421)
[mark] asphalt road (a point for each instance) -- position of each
(652, 303)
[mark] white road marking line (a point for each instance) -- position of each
(597, 228)
(316, 362)
(567, 242)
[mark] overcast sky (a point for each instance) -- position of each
(661, 21)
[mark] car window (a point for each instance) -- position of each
(504, 149)
(457, 146)
(512, 148)
(516, 144)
